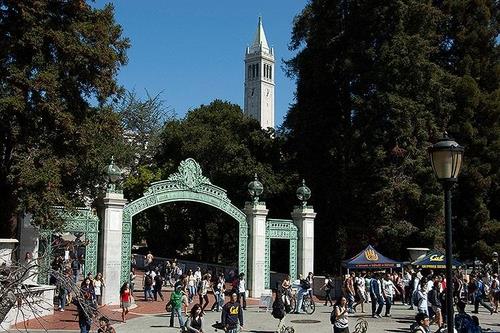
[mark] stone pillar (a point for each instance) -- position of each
(29, 240)
(110, 246)
(303, 218)
(256, 218)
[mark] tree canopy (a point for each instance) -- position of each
(56, 59)
(377, 83)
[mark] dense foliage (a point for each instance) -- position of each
(55, 58)
(377, 83)
(230, 148)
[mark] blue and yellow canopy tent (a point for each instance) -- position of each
(435, 260)
(370, 258)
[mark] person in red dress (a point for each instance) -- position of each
(125, 299)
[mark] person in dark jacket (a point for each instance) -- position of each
(433, 298)
(232, 313)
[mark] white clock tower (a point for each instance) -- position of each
(259, 80)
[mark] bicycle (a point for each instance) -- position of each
(308, 305)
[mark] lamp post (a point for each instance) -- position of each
(446, 159)
(112, 174)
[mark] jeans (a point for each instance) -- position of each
(388, 303)
(220, 300)
(179, 315)
(350, 302)
(244, 296)
(328, 296)
(148, 293)
(300, 299)
(84, 326)
(62, 298)
(192, 292)
(232, 330)
(479, 300)
(376, 300)
(156, 293)
(76, 276)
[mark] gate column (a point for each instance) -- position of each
(303, 218)
(256, 213)
(110, 240)
(110, 246)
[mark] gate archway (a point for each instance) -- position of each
(187, 184)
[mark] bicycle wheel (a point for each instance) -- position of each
(309, 306)
(293, 305)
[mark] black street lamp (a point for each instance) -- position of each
(446, 159)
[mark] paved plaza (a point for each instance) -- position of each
(259, 321)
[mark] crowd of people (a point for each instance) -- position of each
(424, 291)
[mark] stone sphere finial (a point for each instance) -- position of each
(112, 174)
(303, 193)
(255, 189)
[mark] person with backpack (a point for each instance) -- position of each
(232, 314)
(218, 288)
(328, 287)
(422, 323)
(462, 320)
(75, 268)
(338, 317)
(479, 295)
(158, 285)
(420, 298)
(177, 300)
(148, 285)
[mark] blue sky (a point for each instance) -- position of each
(192, 51)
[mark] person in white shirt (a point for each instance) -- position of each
(242, 291)
(389, 289)
(360, 288)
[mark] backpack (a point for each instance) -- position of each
(75, 265)
(148, 281)
(176, 300)
(415, 299)
(158, 281)
(330, 285)
(304, 284)
(333, 316)
(278, 308)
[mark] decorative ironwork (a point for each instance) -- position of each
(280, 229)
(187, 184)
(80, 220)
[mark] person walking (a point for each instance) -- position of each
(349, 291)
(177, 300)
(339, 314)
(75, 268)
(328, 287)
(191, 285)
(479, 295)
(242, 290)
(232, 314)
(125, 300)
(194, 323)
(435, 303)
(203, 292)
(376, 296)
(360, 288)
(63, 292)
(158, 285)
(218, 288)
(98, 286)
(388, 290)
(421, 296)
(148, 286)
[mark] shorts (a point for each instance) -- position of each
(361, 295)
(125, 305)
(340, 330)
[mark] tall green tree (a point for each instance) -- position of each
(56, 57)
(377, 83)
(470, 51)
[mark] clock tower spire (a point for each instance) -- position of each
(259, 79)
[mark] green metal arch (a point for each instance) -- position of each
(188, 184)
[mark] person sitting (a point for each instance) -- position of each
(105, 326)
(421, 324)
